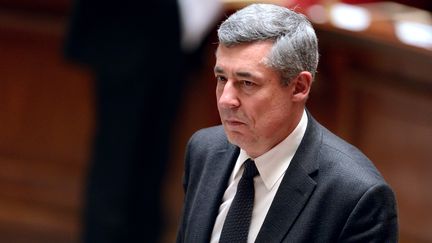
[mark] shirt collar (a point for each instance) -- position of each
(273, 164)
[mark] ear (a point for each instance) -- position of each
(302, 85)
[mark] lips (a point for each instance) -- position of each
(231, 118)
(233, 122)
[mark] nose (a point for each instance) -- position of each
(228, 96)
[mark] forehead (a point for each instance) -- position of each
(246, 60)
(251, 53)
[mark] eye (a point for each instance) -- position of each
(220, 78)
(247, 83)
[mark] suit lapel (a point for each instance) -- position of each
(295, 189)
(216, 175)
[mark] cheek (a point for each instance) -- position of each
(272, 116)
(218, 91)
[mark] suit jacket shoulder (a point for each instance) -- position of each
(331, 192)
(341, 156)
(208, 140)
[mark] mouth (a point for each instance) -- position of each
(232, 122)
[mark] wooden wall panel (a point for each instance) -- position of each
(396, 132)
(46, 120)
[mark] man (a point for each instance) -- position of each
(311, 185)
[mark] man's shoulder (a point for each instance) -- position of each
(213, 134)
(209, 137)
(341, 159)
(210, 131)
(208, 144)
(348, 160)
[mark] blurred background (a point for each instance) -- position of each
(374, 89)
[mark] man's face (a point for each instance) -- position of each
(256, 110)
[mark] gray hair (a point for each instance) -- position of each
(295, 47)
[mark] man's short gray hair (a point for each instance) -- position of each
(295, 46)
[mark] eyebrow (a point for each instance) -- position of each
(239, 74)
(218, 70)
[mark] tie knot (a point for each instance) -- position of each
(250, 169)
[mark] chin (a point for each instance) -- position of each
(235, 138)
(239, 140)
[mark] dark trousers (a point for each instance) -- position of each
(135, 110)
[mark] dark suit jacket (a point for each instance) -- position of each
(330, 193)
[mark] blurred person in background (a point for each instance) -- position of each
(138, 53)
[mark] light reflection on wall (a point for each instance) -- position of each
(411, 26)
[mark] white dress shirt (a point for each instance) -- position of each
(271, 166)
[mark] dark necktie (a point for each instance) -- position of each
(237, 222)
